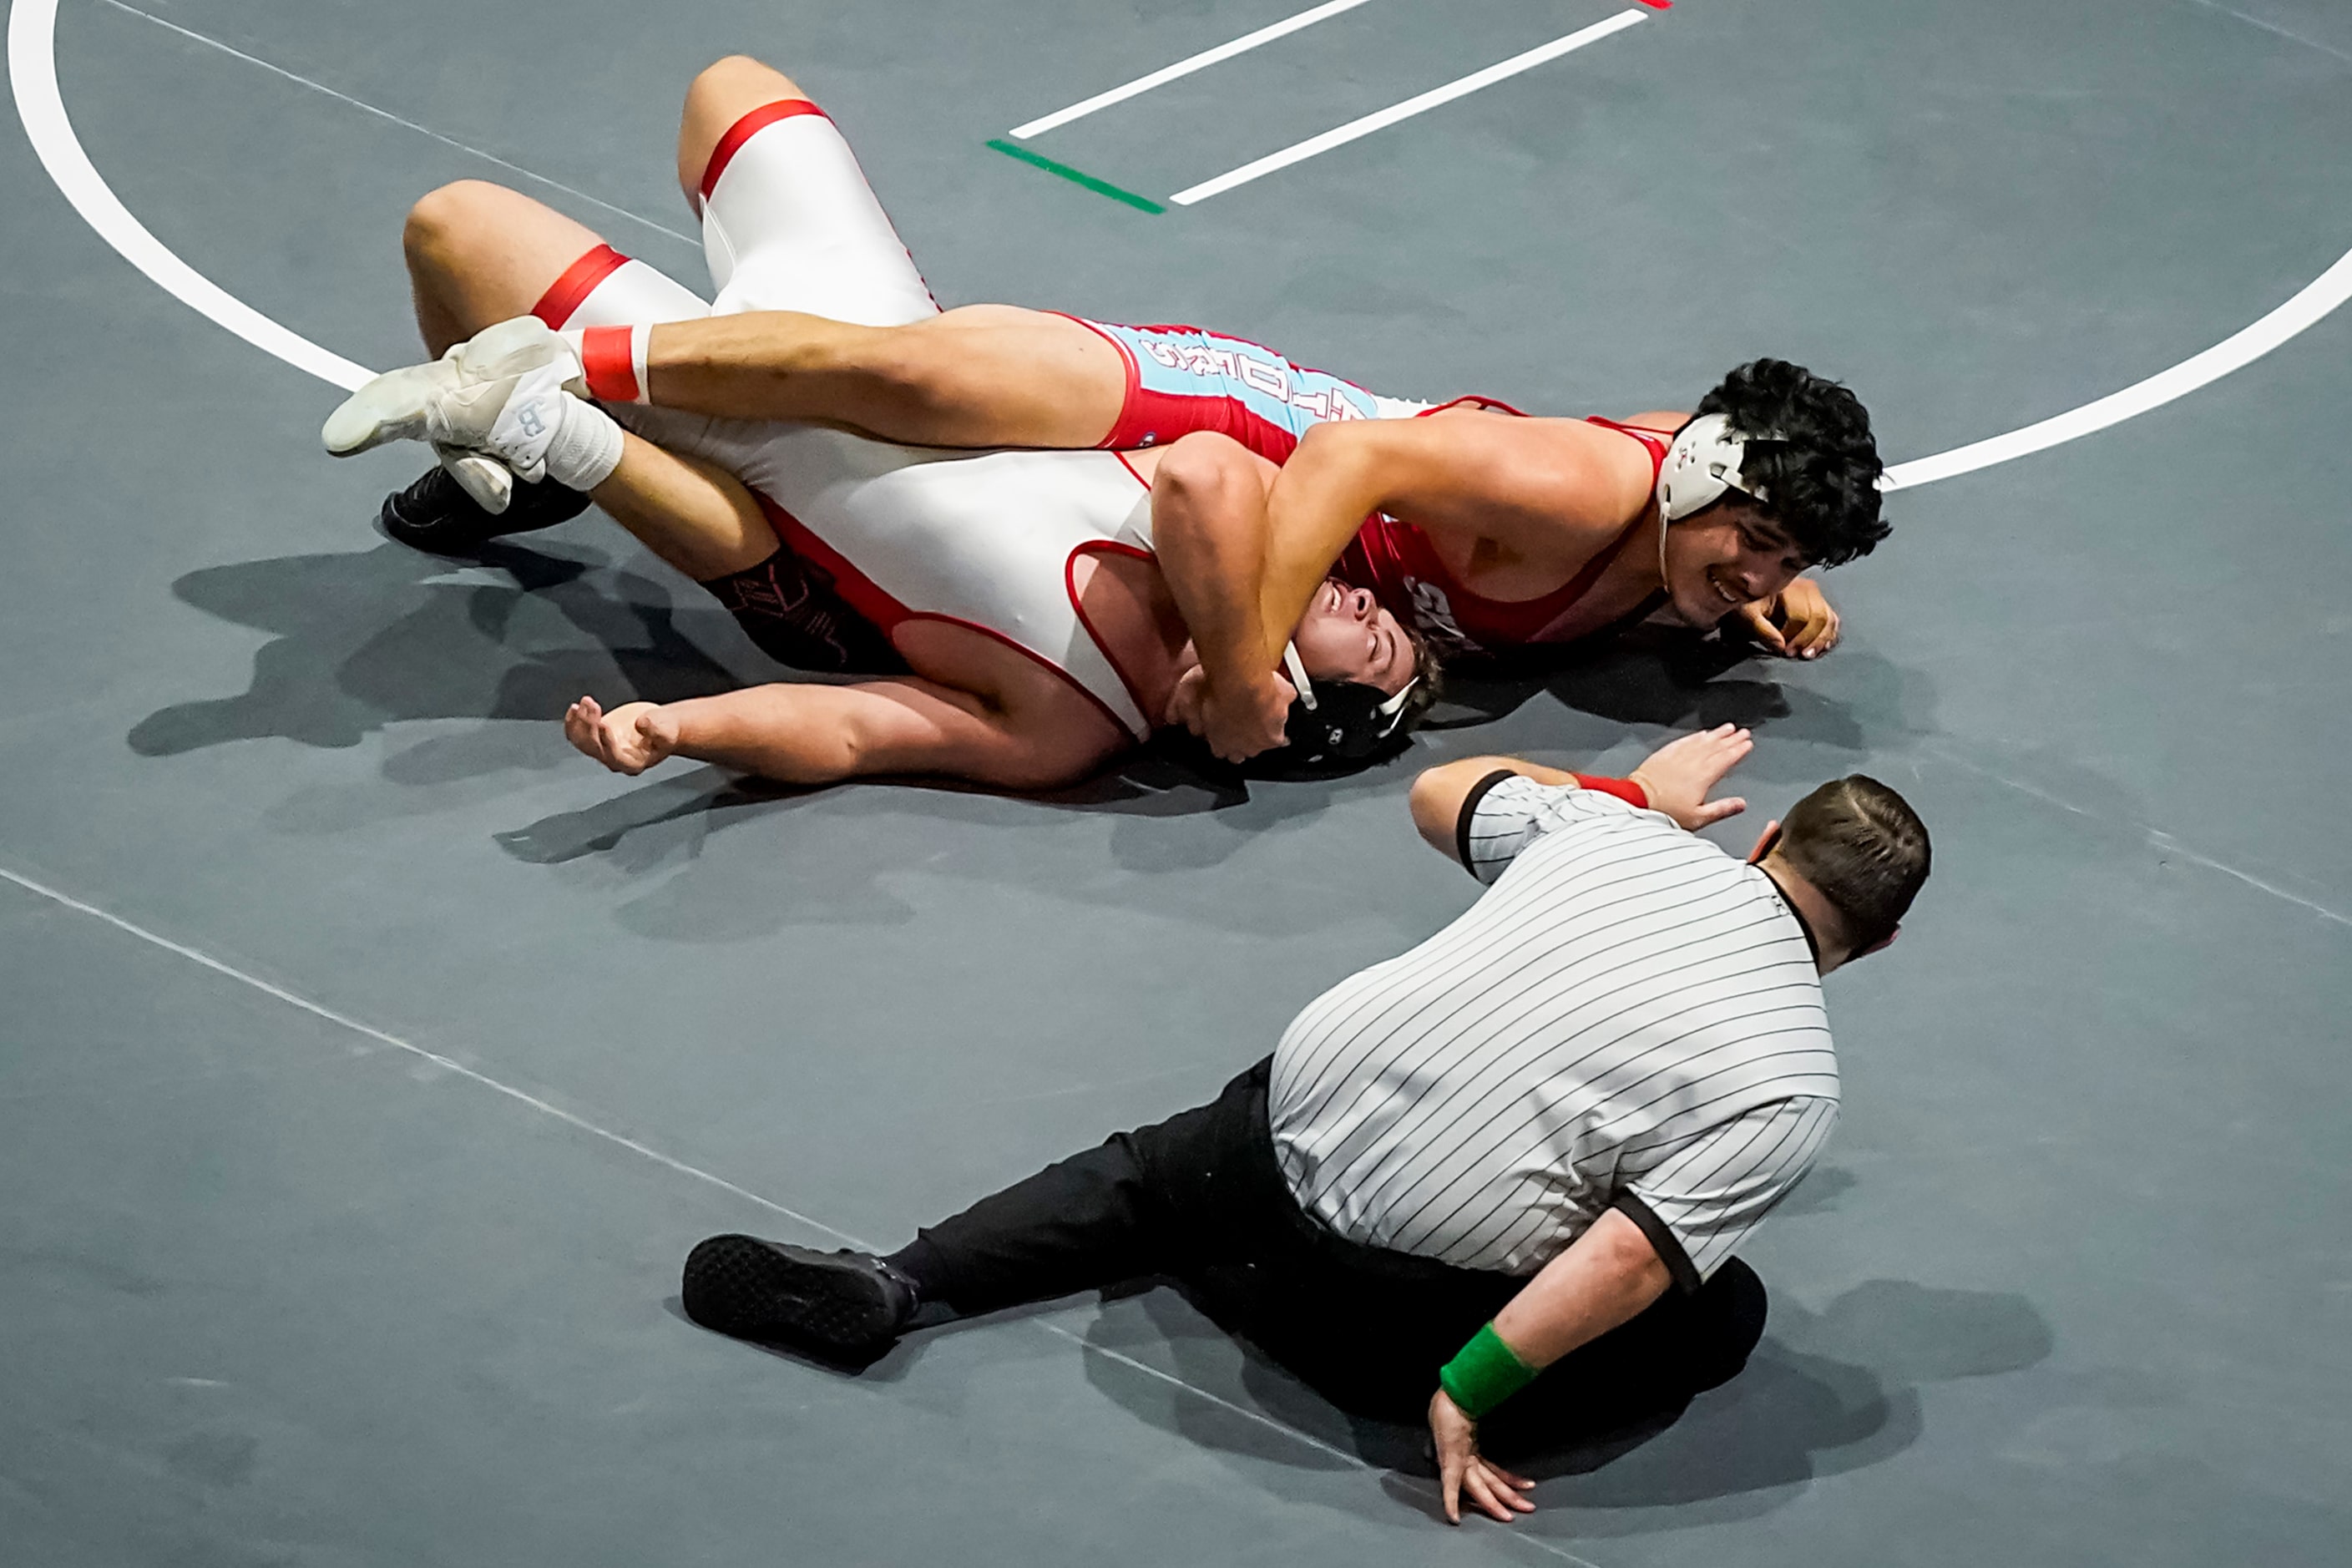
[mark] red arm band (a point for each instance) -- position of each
(1625, 790)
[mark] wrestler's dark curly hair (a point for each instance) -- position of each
(1822, 472)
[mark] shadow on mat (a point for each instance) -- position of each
(1824, 1394)
(361, 641)
(1675, 681)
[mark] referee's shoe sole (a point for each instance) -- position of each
(847, 1306)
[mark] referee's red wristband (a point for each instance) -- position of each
(1625, 790)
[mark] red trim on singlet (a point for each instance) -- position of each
(1149, 419)
(869, 599)
(1078, 607)
(570, 292)
(1656, 441)
(743, 130)
(1387, 552)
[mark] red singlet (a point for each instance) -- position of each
(1397, 562)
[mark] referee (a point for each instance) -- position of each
(1511, 1164)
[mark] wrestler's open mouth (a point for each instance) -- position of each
(1724, 591)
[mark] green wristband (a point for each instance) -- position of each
(1484, 1373)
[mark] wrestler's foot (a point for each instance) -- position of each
(438, 514)
(454, 399)
(629, 740)
(846, 1305)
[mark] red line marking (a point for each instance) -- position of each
(1659, 5)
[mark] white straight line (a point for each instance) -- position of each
(1407, 109)
(367, 107)
(2275, 28)
(2237, 350)
(619, 1140)
(446, 1064)
(2153, 837)
(1186, 67)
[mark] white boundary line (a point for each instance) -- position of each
(2240, 349)
(446, 1064)
(619, 1140)
(32, 74)
(669, 1163)
(1182, 67)
(1421, 103)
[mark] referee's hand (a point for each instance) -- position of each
(1461, 1470)
(1678, 775)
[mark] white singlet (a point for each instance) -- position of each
(989, 540)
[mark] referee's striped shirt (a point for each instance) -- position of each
(1629, 1019)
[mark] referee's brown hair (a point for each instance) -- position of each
(1863, 846)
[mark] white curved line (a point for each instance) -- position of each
(2237, 350)
(33, 74)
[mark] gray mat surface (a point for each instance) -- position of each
(2075, 1282)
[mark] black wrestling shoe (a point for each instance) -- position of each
(849, 1306)
(436, 515)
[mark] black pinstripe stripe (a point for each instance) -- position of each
(1623, 996)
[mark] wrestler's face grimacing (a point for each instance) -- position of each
(1726, 556)
(1346, 635)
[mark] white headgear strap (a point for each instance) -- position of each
(1295, 668)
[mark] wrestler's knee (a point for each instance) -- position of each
(721, 93)
(443, 220)
(726, 80)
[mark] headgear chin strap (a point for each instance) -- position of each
(1703, 462)
(1347, 720)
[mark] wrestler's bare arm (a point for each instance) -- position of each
(1208, 530)
(1546, 492)
(974, 710)
(985, 375)
(816, 734)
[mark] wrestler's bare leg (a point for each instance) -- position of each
(479, 254)
(985, 375)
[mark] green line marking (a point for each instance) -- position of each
(1076, 176)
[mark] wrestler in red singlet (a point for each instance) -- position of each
(1397, 562)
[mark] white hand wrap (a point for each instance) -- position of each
(544, 432)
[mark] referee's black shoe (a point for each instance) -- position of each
(436, 514)
(846, 1306)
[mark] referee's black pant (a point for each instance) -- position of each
(1200, 1198)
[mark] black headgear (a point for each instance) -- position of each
(1337, 721)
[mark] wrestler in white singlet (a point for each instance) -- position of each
(987, 539)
